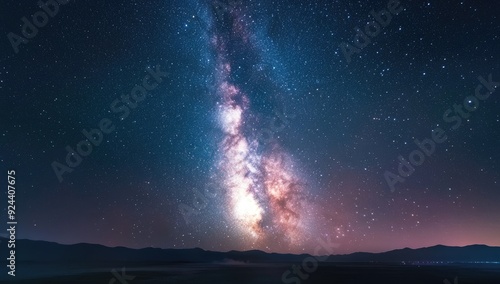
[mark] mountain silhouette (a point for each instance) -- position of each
(43, 251)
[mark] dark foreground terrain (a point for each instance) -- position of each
(259, 274)
(52, 263)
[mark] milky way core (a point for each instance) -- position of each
(264, 195)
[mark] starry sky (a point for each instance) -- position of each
(259, 129)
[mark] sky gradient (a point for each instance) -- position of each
(253, 124)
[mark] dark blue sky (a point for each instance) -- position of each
(261, 135)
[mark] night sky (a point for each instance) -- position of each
(253, 124)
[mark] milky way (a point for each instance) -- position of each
(261, 128)
(264, 195)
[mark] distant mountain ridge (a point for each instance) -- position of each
(43, 251)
